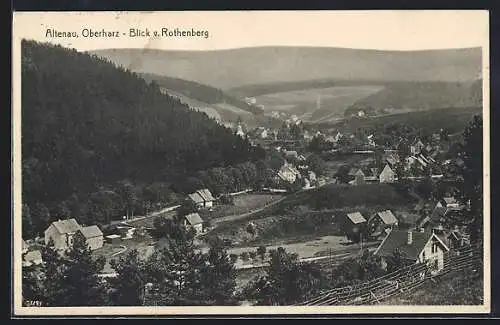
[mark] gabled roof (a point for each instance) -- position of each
(386, 169)
(387, 217)
(398, 240)
(205, 194)
(91, 231)
(434, 218)
(194, 219)
(355, 171)
(195, 197)
(66, 226)
(356, 217)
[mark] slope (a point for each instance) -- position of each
(88, 125)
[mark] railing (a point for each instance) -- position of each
(398, 282)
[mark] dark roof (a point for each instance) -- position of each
(67, 226)
(435, 218)
(398, 240)
(194, 219)
(91, 231)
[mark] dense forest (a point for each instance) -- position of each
(93, 132)
(204, 93)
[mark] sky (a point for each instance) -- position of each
(383, 30)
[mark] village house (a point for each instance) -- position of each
(414, 246)
(380, 222)
(371, 175)
(239, 131)
(61, 232)
(288, 173)
(449, 202)
(33, 257)
(416, 147)
(193, 221)
(370, 140)
(93, 236)
(387, 175)
(353, 223)
(356, 176)
(202, 198)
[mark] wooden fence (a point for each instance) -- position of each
(398, 282)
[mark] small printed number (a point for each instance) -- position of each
(34, 303)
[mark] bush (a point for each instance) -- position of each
(233, 258)
(253, 254)
(245, 256)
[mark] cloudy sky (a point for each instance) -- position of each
(385, 30)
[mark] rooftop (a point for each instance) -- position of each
(67, 226)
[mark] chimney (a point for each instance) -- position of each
(410, 237)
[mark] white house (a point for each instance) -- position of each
(32, 258)
(93, 236)
(62, 232)
(202, 198)
(418, 247)
(193, 221)
(288, 173)
(388, 175)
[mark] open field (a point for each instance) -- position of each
(453, 119)
(112, 251)
(333, 100)
(244, 203)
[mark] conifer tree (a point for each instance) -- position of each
(218, 276)
(128, 286)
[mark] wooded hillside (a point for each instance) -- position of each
(88, 125)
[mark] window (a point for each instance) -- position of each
(434, 248)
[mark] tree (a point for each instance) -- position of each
(187, 206)
(27, 223)
(244, 256)
(128, 286)
(396, 261)
(218, 277)
(31, 286)
(175, 270)
(253, 254)
(472, 172)
(316, 164)
(286, 282)
(53, 282)
(233, 257)
(261, 251)
(80, 280)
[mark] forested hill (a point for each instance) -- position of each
(201, 92)
(225, 69)
(87, 124)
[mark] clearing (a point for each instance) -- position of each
(332, 101)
